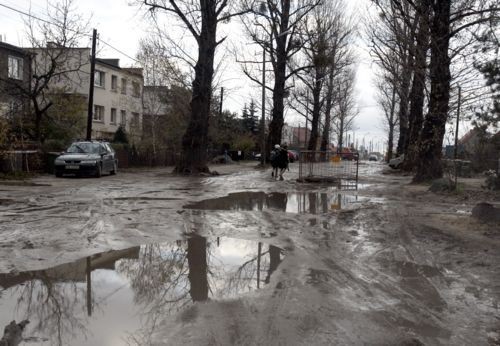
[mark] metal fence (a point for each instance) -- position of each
(330, 167)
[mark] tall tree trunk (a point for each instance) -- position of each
(194, 142)
(417, 96)
(325, 141)
(276, 125)
(429, 165)
(313, 140)
(403, 108)
(390, 140)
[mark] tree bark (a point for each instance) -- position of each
(325, 141)
(417, 96)
(276, 125)
(403, 108)
(390, 140)
(429, 164)
(313, 140)
(193, 158)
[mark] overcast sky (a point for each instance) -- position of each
(123, 25)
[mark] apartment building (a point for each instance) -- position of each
(117, 99)
(15, 76)
(117, 90)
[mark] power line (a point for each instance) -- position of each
(65, 28)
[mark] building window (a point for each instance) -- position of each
(136, 89)
(99, 79)
(113, 116)
(114, 83)
(124, 86)
(135, 120)
(98, 113)
(15, 68)
(123, 116)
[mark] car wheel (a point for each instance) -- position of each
(113, 172)
(59, 174)
(98, 171)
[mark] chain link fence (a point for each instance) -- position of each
(329, 167)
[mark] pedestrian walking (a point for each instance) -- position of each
(274, 160)
(283, 159)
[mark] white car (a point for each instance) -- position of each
(396, 162)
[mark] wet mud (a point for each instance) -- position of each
(388, 264)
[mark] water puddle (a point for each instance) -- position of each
(117, 297)
(307, 202)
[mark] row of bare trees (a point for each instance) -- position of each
(306, 43)
(426, 50)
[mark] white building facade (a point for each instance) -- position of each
(117, 91)
(117, 99)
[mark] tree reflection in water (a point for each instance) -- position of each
(191, 271)
(51, 303)
(63, 302)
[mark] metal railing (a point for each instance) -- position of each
(329, 167)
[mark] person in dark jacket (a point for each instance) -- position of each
(283, 159)
(274, 160)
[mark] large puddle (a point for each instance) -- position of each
(291, 202)
(118, 297)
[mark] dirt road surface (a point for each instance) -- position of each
(147, 258)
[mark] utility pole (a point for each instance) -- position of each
(91, 87)
(221, 100)
(263, 106)
(307, 119)
(455, 154)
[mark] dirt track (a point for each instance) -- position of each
(391, 264)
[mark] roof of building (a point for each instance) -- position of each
(4, 45)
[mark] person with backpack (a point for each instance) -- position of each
(282, 160)
(274, 160)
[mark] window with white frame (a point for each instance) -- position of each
(98, 113)
(15, 66)
(113, 116)
(99, 79)
(123, 117)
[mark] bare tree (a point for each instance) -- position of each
(276, 27)
(201, 19)
(388, 99)
(56, 61)
(448, 21)
(345, 106)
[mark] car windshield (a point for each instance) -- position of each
(87, 148)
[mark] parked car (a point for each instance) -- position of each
(348, 154)
(373, 157)
(293, 155)
(87, 157)
(396, 162)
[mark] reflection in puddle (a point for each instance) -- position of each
(117, 297)
(310, 202)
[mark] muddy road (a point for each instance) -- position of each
(146, 258)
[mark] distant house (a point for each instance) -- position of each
(117, 99)
(15, 71)
(117, 90)
(301, 137)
